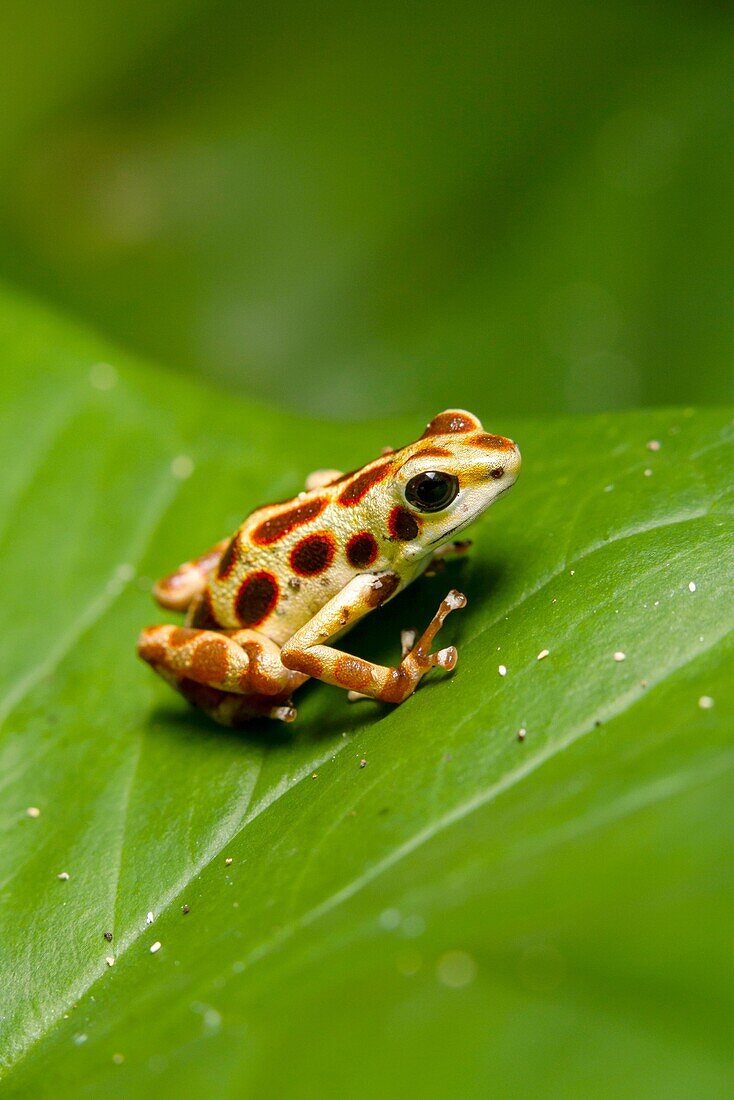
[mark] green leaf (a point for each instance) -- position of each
(468, 913)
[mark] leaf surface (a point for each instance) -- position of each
(466, 914)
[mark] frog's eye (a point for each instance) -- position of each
(432, 491)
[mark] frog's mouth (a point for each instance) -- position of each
(470, 519)
(452, 530)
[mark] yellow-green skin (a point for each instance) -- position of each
(263, 605)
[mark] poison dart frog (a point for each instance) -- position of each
(265, 606)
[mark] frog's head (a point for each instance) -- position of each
(446, 479)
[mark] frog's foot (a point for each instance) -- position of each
(319, 478)
(283, 714)
(232, 710)
(225, 707)
(418, 659)
(450, 550)
(239, 710)
(178, 590)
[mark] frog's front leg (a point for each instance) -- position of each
(451, 549)
(407, 641)
(233, 663)
(319, 478)
(307, 652)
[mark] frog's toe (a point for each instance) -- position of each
(407, 640)
(318, 479)
(446, 658)
(283, 714)
(454, 601)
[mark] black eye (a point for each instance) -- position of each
(432, 491)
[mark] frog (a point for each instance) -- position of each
(265, 606)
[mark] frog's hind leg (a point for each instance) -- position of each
(177, 591)
(227, 708)
(232, 675)
(450, 550)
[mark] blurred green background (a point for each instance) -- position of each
(355, 208)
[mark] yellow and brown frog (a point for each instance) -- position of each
(264, 607)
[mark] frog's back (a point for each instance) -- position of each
(287, 560)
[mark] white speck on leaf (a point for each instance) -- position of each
(155, 947)
(543, 654)
(33, 811)
(691, 586)
(211, 1017)
(389, 919)
(64, 876)
(182, 467)
(150, 918)
(103, 376)
(705, 702)
(502, 669)
(620, 656)
(124, 572)
(456, 969)
(653, 445)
